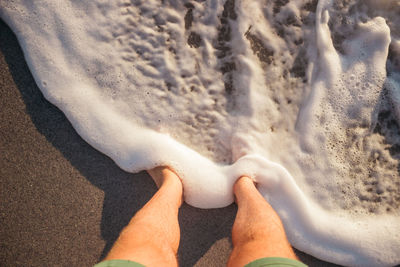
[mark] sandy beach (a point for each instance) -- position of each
(62, 202)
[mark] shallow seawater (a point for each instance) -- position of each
(303, 96)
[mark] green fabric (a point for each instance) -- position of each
(275, 262)
(118, 263)
(263, 262)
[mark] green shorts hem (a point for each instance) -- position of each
(263, 262)
(275, 262)
(118, 263)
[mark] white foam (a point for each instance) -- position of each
(131, 85)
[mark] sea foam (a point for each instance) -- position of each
(304, 99)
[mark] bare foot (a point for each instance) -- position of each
(257, 231)
(244, 184)
(165, 177)
(162, 174)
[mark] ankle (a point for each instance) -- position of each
(162, 175)
(172, 188)
(243, 185)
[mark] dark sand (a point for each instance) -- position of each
(62, 203)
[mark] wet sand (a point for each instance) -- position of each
(62, 203)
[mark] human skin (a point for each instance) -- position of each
(152, 236)
(257, 231)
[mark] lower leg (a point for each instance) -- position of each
(152, 236)
(257, 231)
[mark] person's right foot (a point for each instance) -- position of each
(244, 186)
(257, 231)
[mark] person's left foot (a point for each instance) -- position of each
(165, 176)
(157, 175)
